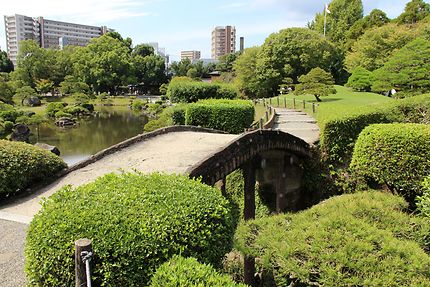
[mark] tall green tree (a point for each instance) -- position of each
(343, 14)
(415, 11)
(360, 80)
(317, 82)
(6, 64)
(149, 70)
(225, 63)
(104, 64)
(143, 50)
(6, 88)
(376, 18)
(376, 46)
(293, 52)
(180, 69)
(247, 79)
(407, 70)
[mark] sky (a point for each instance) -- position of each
(184, 24)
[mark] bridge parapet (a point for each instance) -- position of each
(223, 162)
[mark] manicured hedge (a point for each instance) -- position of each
(395, 155)
(338, 135)
(232, 116)
(136, 223)
(188, 272)
(362, 239)
(22, 165)
(189, 92)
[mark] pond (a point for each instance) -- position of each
(108, 127)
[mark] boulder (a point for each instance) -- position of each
(48, 147)
(20, 133)
(65, 122)
(33, 101)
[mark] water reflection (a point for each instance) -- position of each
(110, 126)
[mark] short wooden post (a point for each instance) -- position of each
(264, 102)
(261, 124)
(285, 102)
(304, 104)
(267, 116)
(294, 103)
(313, 108)
(81, 245)
(223, 185)
(278, 101)
(270, 101)
(249, 213)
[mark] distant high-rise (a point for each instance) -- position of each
(191, 55)
(47, 33)
(223, 41)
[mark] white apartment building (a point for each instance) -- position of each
(223, 41)
(48, 33)
(191, 55)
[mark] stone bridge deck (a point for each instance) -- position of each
(173, 152)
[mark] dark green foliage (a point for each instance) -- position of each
(415, 11)
(317, 82)
(6, 64)
(412, 110)
(339, 135)
(395, 155)
(22, 165)
(136, 222)
(188, 272)
(188, 92)
(232, 116)
(360, 80)
(362, 239)
(178, 114)
(407, 70)
(53, 108)
(294, 52)
(423, 202)
(138, 105)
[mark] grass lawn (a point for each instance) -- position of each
(345, 102)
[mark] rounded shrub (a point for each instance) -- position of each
(22, 165)
(188, 272)
(192, 91)
(395, 155)
(136, 222)
(232, 116)
(361, 239)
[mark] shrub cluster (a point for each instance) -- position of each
(188, 272)
(22, 164)
(60, 109)
(136, 223)
(395, 155)
(232, 116)
(362, 239)
(189, 92)
(338, 135)
(423, 202)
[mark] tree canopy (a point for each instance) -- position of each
(244, 68)
(6, 64)
(317, 82)
(415, 11)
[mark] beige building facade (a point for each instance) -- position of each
(191, 55)
(223, 41)
(48, 33)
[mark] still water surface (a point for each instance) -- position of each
(110, 126)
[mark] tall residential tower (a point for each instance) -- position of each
(47, 33)
(223, 41)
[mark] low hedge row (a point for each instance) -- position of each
(188, 272)
(232, 116)
(22, 165)
(395, 155)
(136, 222)
(338, 136)
(189, 92)
(362, 239)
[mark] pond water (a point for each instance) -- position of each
(109, 126)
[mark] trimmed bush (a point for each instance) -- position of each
(423, 202)
(136, 223)
(138, 105)
(178, 115)
(53, 108)
(22, 165)
(395, 155)
(189, 92)
(339, 135)
(232, 116)
(188, 272)
(362, 239)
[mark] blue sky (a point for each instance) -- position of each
(186, 24)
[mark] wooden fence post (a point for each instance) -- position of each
(285, 102)
(313, 108)
(81, 245)
(294, 103)
(278, 101)
(304, 104)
